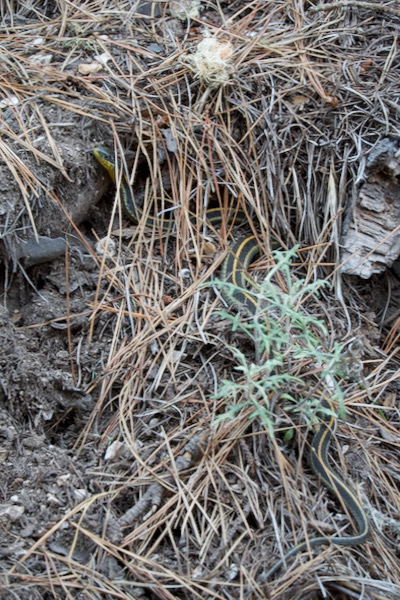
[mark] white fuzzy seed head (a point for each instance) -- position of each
(212, 61)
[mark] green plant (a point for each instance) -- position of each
(288, 338)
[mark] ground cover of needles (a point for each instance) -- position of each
(120, 476)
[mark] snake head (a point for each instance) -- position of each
(105, 157)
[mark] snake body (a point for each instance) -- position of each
(321, 467)
(234, 272)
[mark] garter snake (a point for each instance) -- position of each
(234, 272)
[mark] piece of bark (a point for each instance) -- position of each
(371, 242)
